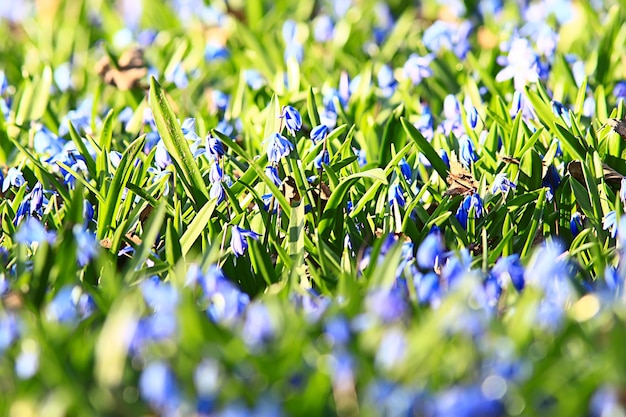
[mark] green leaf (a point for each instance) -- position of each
(177, 146)
(197, 226)
(426, 148)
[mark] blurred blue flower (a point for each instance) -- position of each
(238, 241)
(258, 328)
(319, 133)
(27, 362)
(214, 51)
(80, 118)
(254, 79)
(69, 305)
(428, 289)
(522, 64)
(467, 155)
(9, 329)
(220, 99)
(86, 244)
(294, 51)
(277, 147)
(470, 202)
(613, 281)
(13, 178)
(158, 387)
(47, 143)
(160, 296)
(606, 401)
(63, 76)
(392, 349)
(388, 305)
(292, 118)
(561, 111)
(337, 330)
(430, 250)
(450, 36)
(226, 301)
(619, 91)
(33, 231)
(386, 81)
(416, 68)
(502, 183)
(4, 82)
(396, 195)
(323, 28)
(509, 268)
(466, 401)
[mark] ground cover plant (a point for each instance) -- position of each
(312, 208)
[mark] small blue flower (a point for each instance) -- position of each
(522, 64)
(471, 201)
(576, 224)
(319, 133)
(14, 178)
(428, 288)
(552, 181)
(619, 91)
(238, 241)
(178, 76)
(69, 305)
(322, 158)
(272, 172)
(217, 191)
(258, 327)
(277, 147)
(254, 79)
(293, 120)
(609, 222)
(467, 155)
(502, 183)
(215, 173)
(387, 305)
(386, 81)
(406, 170)
(214, 51)
(161, 156)
(214, 146)
(160, 296)
(395, 195)
(561, 111)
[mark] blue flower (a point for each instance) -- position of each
(178, 76)
(161, 156)
(14, 178)
(609, 222)
(319, 133)
(293, 120)
(323, 28)
(322, 158)
(238, 241)
(160, 296)
(467, 155)
(157, 386)
(428, 288)
(277, 147)
(258, 327)
(406, 170)
(561, 111)
(392, 349)
(467, 401)
(416, 68)
(622, 191)
(86, 244)
(9, 329)
(386, 81)
(430, 250)
(47, 143)
(215, 173)
(214, 50)
(217, 191)
(254, 79)
(576, 224)
(471, 201)
(395, 195)
(502, 183)
(619, 91)
(33, 231)
(387, 305)
(214, 146)
(522, 64)
(509, 268)
(220, 100)
(272, 172)
(69, 305)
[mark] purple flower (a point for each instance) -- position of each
(277, 147)
(293, 120)
(502, 183)
(238, 241)
(416, 68)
